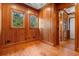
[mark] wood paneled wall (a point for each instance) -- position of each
(61, 6)
(77, 27)
(13, 35)
(0, 25)
(48, 24)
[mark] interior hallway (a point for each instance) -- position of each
(39, 39)
(67, 27)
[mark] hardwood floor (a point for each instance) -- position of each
(69, 44)
(37, 48)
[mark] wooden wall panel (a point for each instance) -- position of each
(15, 35)
(55, 15)
(48, 24)
(77, 27)
(0, 24)
(65, 18)
(32, 32)
(64, 5)
(60, 25)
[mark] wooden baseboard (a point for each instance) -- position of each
(77, 49)
(25, 41)
(47, 42)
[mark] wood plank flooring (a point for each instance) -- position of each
(37, 48)
(69, 44)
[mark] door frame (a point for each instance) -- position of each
(76, 37)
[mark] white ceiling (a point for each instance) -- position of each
(36, 5)
(70, 10)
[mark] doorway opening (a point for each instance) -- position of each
(67, 27)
